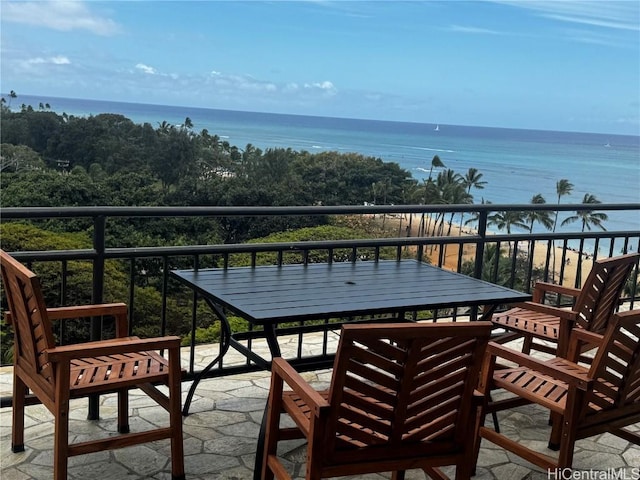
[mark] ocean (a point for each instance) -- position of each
(515, 163)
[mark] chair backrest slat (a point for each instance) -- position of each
(601, 291)
(404, 386)
(616, 366)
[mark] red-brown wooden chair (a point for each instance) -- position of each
(402, 396)
(56, 374)
(583, 400)
(593, 306)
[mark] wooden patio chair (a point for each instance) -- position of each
(592, 308)
(402, 396)
(56, 374)
(583, 400)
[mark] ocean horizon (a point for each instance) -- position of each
(516, 163)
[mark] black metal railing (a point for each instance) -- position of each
(472, 253)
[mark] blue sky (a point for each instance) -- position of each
(554, 65)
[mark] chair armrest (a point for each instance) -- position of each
(570, 377)
(561, 313)
(579, 338)
(111, 347)
(80, 311)
(118, 310)
(541, 288)
(283, 369)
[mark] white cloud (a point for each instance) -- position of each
(595, 22)
(620, 15)
(60, 60)
(325, 86)
(146, 69)
(473, 30)
(58, 15)
(57, 60)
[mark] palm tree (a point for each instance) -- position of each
(588, 218)
(471, 180)
(535, 216)
(435, 163)
(542, 217)
(563, 187)
(506, 220)
(12, 95)
(164, 127)
(447, 182)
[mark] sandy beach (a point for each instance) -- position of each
(452, 251)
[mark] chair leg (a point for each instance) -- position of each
(555, 420)
(61, 440)
(175, 415)
(399, 475)
(565, 456)
(123, 411)
(568, 432)
(17, 428)
(270, 429)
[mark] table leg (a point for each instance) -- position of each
(272, 339)
(225, 341)
(487, 312)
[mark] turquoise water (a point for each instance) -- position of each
(516, 164)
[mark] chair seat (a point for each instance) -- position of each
(540, 325)
(105, 373)
(535, 386)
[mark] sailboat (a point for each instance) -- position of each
(437, 129)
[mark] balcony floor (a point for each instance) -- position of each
(220, 436)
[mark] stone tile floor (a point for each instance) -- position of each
(220, 436)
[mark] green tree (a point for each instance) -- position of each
(16, 158)
(588, 218)
(435, 163)
(506, 220)
(472, 179)
(429, 191)
(563, 188)
(538, 216)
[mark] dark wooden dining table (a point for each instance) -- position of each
(268, 296)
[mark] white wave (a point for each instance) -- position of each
(433, 149)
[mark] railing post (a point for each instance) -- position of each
(482, 233)
(99, 224)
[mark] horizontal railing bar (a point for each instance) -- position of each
(188, 250)
(58, 212)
